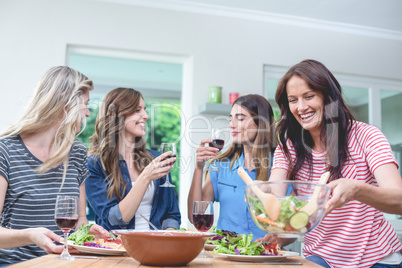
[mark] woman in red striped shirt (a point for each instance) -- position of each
(316, 133)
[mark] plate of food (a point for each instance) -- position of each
(216, 240)
(260, 258)
(99, 250)
(86, 243)
(241, 247)
(209, 246)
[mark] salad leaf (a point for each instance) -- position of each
(289, 206)
(259, 209)
(233, 243)
(80, 236)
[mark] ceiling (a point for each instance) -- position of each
(163, 79)
(379, 14)
(383, 14)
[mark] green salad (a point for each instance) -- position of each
(290, 217)
(80, 236)
(232, 243)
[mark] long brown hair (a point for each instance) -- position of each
(117, 104)
(263, 116)
(335, 126)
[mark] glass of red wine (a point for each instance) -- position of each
(168, 147)
(203, 218)
(66, 216)
(218, 141)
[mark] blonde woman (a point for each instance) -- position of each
(40, 158)
(125, 176)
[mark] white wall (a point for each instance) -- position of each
(225, 51)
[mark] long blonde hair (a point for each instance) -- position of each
(58, 92)
(263, 145)
(109, 126)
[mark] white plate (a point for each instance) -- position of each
(256, 258)
(98, 251)
(209, 247)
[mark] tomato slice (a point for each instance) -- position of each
(116, 241)
(270, 248)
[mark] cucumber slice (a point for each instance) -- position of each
(299, 220)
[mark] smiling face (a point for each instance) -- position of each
(242, 126)
(134, 124)
(306, 105)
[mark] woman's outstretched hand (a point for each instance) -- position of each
(43, 238)
(343, 190)
(99, 232)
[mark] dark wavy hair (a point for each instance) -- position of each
(335, 126)
(117, 104)
(263, 145)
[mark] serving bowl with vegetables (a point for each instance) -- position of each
(298, 206)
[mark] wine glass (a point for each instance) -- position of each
(203, 218)
(66, 216)
(168, 147)
(218, 141)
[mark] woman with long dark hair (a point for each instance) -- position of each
(251, 120)
(317, 133)
(124, 176)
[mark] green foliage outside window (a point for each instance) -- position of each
(163, 125)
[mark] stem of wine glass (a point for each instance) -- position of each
(65, 250)
(203, 252)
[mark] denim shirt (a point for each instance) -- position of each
(165, 210)
(229, 192)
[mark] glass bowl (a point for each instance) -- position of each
(295, 207)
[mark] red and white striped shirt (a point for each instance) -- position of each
(357, 234)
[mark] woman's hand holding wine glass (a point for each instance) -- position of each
(158, 168)
(66, 216)
(218, 141)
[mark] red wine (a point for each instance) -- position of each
(203, 222)
(217, 143)
(66, 224)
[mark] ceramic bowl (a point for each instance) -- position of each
(293, 220)
(163, 248)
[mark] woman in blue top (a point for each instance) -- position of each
(250, 124)
(124, 176)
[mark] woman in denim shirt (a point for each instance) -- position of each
(124, 176)
(251, 129)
